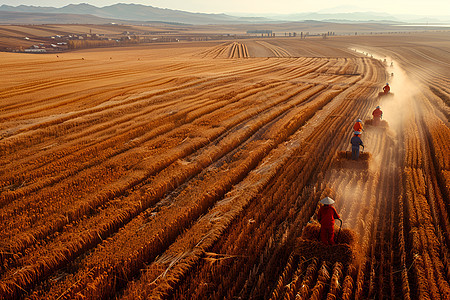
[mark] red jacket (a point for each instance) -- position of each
(386, 89)
(377, 113)
(326, 215)
(357, 127)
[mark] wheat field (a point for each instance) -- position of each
(188, 170)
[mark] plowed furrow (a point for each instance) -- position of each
(190, 103)
(238, 109)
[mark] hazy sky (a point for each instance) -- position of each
(419, 7)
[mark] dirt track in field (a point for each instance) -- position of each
(189, 170)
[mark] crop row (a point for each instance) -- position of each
(188, 205)
(424, 205)
(227, 50)
(276, 50)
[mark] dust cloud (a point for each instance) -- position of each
(404, 90)
(354, 200)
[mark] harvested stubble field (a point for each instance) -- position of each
(187, 171)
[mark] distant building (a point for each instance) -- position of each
(35, 50)
(262, 32)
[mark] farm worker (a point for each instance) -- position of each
(377, 115)
(326, 216)
(356, 142)
(386, 88)
(358, 126)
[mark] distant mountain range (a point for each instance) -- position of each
(360, 17)
(73, 13)
(10, 17)
(133, 12)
